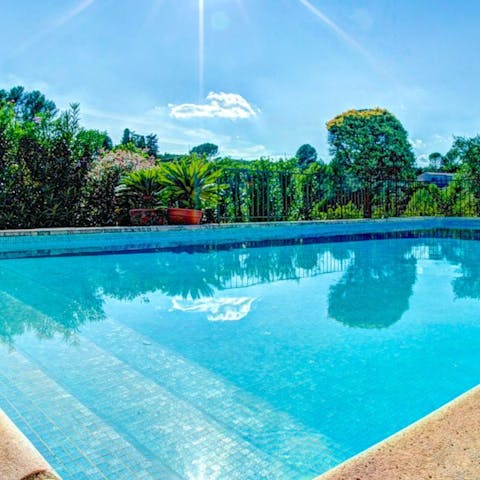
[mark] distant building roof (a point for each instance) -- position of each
(440, 179)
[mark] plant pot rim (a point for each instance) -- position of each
(186, 209)
(145, 209)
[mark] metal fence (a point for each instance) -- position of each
(258, 195)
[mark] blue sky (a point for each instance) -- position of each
(256, 77)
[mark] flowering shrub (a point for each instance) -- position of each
(101, 206)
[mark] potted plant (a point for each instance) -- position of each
(142, 190)
(190, 185)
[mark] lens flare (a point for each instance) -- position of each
(343, 35)
(201, 48)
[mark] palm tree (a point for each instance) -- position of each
(191, 182)
(142, 188)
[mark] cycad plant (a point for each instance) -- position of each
(191, 182)
(141, 189)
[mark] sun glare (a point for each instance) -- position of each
(201, 47)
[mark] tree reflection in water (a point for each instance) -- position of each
(466, 255)
(375, 290)
(57, 296)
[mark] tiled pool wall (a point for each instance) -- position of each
(64, 241)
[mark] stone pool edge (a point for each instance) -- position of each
(444, 444)
(105, 240)
(19, 459)
(423, 222)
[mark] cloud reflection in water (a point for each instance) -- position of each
(222, 309)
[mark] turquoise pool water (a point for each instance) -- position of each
(246, 363)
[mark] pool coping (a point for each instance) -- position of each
(114, 240)
(468, 221)
(445, 444)
(19, 459)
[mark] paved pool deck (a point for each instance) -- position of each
(444, 445)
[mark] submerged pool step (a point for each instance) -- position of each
(159, 425)
(70, 436)
(275, 432)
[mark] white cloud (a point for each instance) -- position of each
(247, 152)
(173, 136)
(218, 105)
(417, 143)
(423, 160)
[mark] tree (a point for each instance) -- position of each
(138, 140)
(126, 138)
(28, 105)
(371, 144)
(464, 158)
(464, 151)
(107, 142)
(306, 154)
(44, 168)
(435, 161)
(207, 149)
(152, 145)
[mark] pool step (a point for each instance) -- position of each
(254, 420)
(275, 432)
(71, 437)
(159, 425)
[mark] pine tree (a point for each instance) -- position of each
(152, 145)
(127, 137)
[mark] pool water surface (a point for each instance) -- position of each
(246, 363)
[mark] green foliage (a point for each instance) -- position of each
(466, 206)
(371, 144)
(424, 202)
(337, 212)
(465, 155)
(126, 138)
(148, 143)
(436, 161)
(151, 144)
(306, 154)
(53, 172)
(141, 188)
(205, 149)
(43, 168)
(191, 182)
(27, 106)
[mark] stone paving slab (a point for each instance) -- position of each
(444, 445)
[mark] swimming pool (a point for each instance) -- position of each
(252, 362)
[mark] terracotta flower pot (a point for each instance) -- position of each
(184, 216)
(141, 217)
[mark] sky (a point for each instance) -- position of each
(256, 77)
